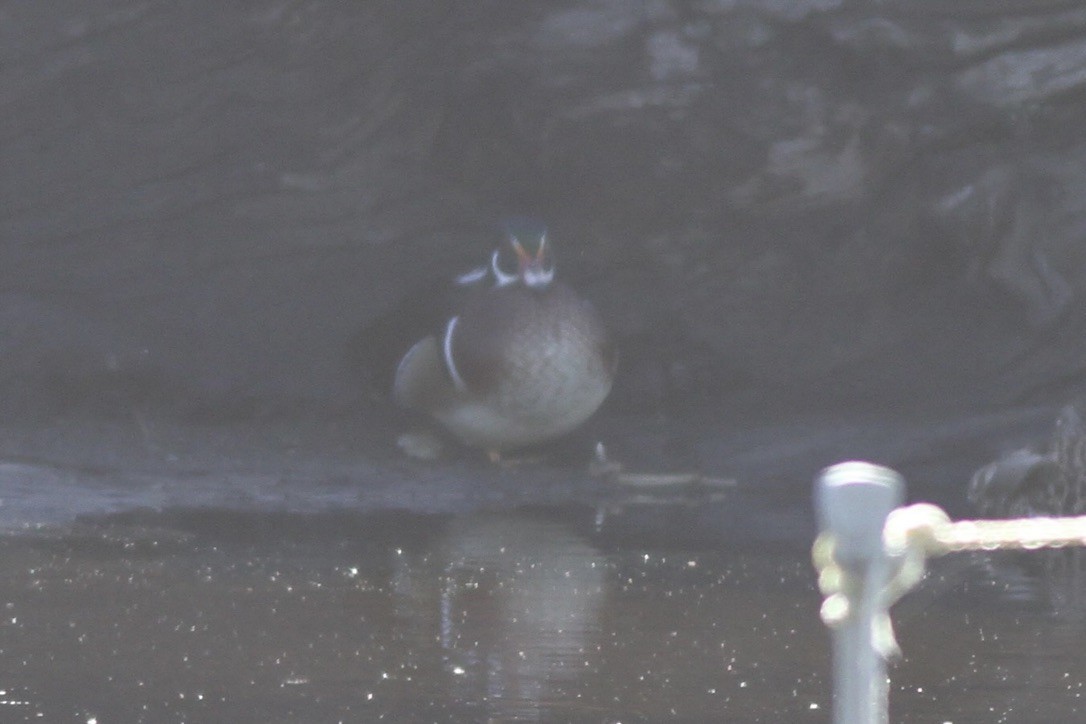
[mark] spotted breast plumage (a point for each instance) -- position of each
(523, 360)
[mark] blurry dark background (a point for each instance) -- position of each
(819, 219)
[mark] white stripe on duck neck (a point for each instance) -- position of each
(472, 277)
(501, 279)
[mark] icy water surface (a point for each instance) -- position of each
(542, 615)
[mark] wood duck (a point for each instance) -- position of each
(523, 360)
(1026, 483)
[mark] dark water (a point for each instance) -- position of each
(546, 615)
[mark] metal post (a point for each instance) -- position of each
(852, 500)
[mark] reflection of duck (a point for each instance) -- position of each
(522, 361)
(520, 601)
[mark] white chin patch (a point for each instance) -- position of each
(536, 278)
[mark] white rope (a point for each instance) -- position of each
(913, 534)
(930, 529)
